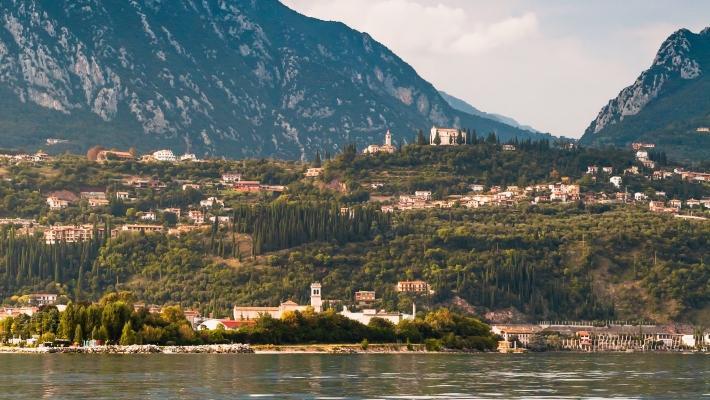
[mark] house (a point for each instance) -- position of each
(638, 196)
(648, 163)
(148, 216)
(42, 299)
(92, 194)
(69, 233)
(247, 186)
(113, 155)
(137, 228)
(633, 170)
(364, 296)
(365, 316)
(211, 202)
(231, 177)
(642, 155)
(508, 147)
(412, 287)
(608, 170)
(40, 156)
(385, 148)
(640, 145)
(313, 172)
(592, 169)
(446, 136)
(476, 188)
(61, 199)
(250, 313)
(193, 186)
(520, 332)
(188, 157)
(196, 216)
(98, 202)
(164, 155)
(675, 203)
(222, 219)
(692, 203)
(173, 210)
(121, 195)
(660, 207)
(616, 181)
(423, 195)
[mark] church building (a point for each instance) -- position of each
(385, 148)
(447, 136)
(249, 313)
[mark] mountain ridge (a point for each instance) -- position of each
(464, 106)
(243, 79)
(666, 103)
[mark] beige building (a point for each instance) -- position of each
(68, 233)
(413, 286)
(447, 136)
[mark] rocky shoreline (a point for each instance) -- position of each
(135, 349)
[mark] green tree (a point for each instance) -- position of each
(128, 335)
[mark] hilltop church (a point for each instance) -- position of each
(385, 148)
(447, 136)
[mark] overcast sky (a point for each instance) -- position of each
(551, 64)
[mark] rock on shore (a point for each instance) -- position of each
(136, 349)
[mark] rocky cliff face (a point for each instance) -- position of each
(676, 59)
(237, 78)
(666, 103)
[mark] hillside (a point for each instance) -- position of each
(666, 105)
(550, 260)
(243, 79)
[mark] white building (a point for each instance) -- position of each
(314, 172)
(642, 155)
(385, 148)
(249, 313)
(638, 196)
(188, 157)
(164, 155)
(616, 181)
(365, 316)
(423, 195)
(211, 202)
(148, 216)
(42, 299)
(447, 136)
(231, 177)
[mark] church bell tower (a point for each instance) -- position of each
(316, 300)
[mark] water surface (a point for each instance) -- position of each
(372, 376)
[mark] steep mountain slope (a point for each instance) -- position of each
(235, 78)
(666, 104)
(463, 106)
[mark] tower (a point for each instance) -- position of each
(316, 300)
(388, 138)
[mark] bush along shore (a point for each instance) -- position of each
(135, 349)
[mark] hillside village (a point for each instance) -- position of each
(165, 199)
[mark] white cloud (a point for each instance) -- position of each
(547, 63)
(408, 25)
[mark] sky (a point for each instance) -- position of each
(551, 64)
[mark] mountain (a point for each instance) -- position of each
(463, 106)
(667, 103)
(240, 78)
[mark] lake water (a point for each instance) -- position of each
(372, 376)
